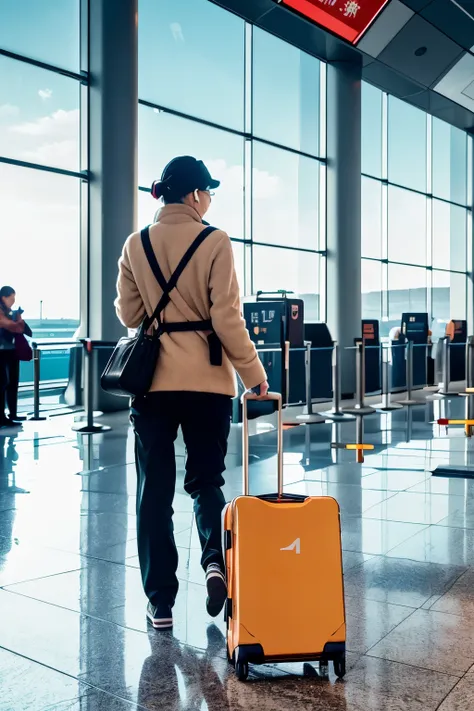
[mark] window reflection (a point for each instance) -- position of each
(371, 130)
(285, 93)
(41, 216)
(191, 58)
(407, 290)
(371, 223)
(39, 115)
(449, 236)
(406, 227)
(47, 31)
(371, 289)
(407, 155)
(449, 162)
(285, 198)
(276, 268)
(448, 297)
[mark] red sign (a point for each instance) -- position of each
(348, 19)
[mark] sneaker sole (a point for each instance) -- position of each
(161, 625)
(216, 595)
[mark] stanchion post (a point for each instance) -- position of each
(409, 376)
(36, 416)
(360, 407)
(308, 415)
(336, 413)
(446, 365)
(360, 440)
(90, 427)
(387, 405)
(307, 365)
(287, 372)
(469, 384)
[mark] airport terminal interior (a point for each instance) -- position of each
(341, 133)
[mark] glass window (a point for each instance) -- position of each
(449, 162)
(407, 159)
(290, 269)
(448, 298)
(371, 223)
(41, 226)
(406, 227)
(285, 194)
(371, 130)
(449, 236)
(371, 289)
(39, 115)
(191, 58)
(46, 31)
(239, 263)
(407, 290)
(146, 209)
(285, 93)
(162, 137)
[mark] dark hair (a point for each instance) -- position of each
(180, 177)
(6, 291)
(171, 194)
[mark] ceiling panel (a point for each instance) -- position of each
(455, 84)
(251, 10)
(468, 5)
(416, 5)
(387, 25)
(441, 52)
(390, 80)
(451, 20)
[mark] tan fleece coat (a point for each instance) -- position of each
(207, 288)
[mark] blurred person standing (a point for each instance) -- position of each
(11, 325)
(194, 379)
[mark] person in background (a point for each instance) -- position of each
(191, 388)
(11, 323)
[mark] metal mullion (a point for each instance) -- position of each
(290, 248)
(83, 175)
(227, 129)
(83, 76)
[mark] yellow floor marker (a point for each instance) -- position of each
(467, 424)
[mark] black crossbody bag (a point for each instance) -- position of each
(131, 368)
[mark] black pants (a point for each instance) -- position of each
(205, 422)
(9, 379)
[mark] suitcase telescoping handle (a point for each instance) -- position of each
(245, 439)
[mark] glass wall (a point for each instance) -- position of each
(416, 213)
(254, 117)
(42, 168)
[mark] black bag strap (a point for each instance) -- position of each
(167, 287)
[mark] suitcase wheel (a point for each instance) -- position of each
(340, 666)
(242, 670)
(324, 668)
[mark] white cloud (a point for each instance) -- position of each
(177, 32)
(45, 94)
(49, 140)
(60, 153)
(8, 110)
(265, 185)
(59, 124)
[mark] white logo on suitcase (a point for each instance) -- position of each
(295, 546)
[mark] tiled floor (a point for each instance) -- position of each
(73, 633)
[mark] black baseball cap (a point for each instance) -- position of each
(183, 175)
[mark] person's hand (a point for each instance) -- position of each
(263, 389)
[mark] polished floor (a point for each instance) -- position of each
(73, 634)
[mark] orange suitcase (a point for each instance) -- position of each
(284, 571)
